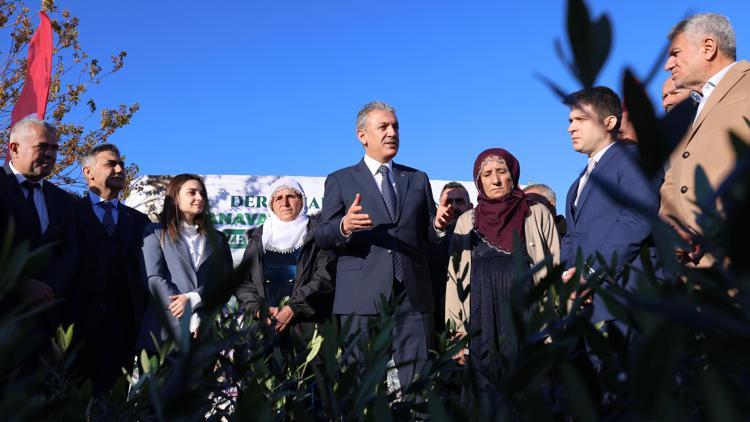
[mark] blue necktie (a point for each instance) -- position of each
(109, 221)
(33, 212)
(389, 196)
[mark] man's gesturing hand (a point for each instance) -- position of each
(444, 215)
(355, 220)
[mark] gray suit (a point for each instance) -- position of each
(169, 270)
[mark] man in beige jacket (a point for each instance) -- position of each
(703, 53)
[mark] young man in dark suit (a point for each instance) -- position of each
(42, 214)
(600, 206)
(109, 297)
(379, 218)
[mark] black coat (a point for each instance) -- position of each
(91, 291)
(60, 269)
(365, 268)
(109, 296)
(312, 294)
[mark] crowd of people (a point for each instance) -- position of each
(125, 282)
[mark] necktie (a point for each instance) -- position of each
(389, 196)
(584, 179)
(108, 222)
(33, 212)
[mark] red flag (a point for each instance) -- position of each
(33, 98)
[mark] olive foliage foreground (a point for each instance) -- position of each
(681, 349)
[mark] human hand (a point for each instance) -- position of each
(692, 255)
(567, 275)
(444, 214)
(177, 307)
(37, 292)
(460, 356)
(355, 219)
(284, 318)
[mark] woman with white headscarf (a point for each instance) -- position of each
(288, 274)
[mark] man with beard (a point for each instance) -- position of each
(108, 300)
(455, 194)
(41, 214)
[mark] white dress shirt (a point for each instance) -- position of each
(598, 156)
(584, 179)
(39, 202)
(373, 165)
(99, 210)
(196, 243)
(708, 88)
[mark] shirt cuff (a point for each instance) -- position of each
(341, 229)
(195, 322)
(195, 300)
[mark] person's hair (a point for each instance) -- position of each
(25, 126)
(367, 108)
(705, 24)
(543, 190)
(88, 159)
(170, 213)
(454, 185)
(603, 100)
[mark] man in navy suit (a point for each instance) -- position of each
(109, 296)
(599, 208)
(379, 217)
(42, 214)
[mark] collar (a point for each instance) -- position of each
(709, 86)
(373, 165)
(598, 156)
(188, 230)
(95, 199)
(20, 177)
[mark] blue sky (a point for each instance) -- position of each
(273, 87)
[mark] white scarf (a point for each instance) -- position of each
(285, 236)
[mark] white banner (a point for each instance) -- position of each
(239, 203)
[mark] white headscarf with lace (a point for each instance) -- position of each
(285, 236)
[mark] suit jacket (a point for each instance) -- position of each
(170, 271)
(707, 144)
(60, 269)
(312, 294)
(93, 293)
(365, 259)
(604, 222)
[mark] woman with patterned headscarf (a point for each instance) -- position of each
(289, 278)
(483, 244)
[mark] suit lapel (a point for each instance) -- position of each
(208, 248)
(92, 225)
(17, 201)
(402, 186)
(49, 201)
(371, 195)
(733, 76)
(125, 225)
(572, 211)
(598, 170)
(183, 251)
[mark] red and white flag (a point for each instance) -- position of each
(33, 98)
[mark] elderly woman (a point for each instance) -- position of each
(483, 243)
(288, 275)
(181, 256)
